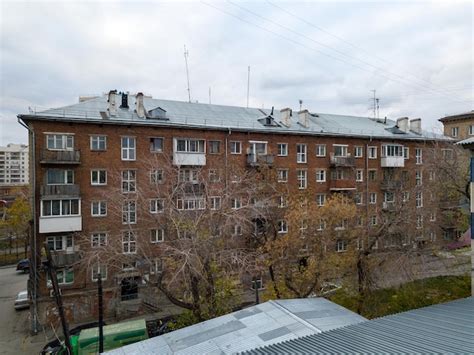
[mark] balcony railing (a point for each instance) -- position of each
(390, 184)
(347, 184)
(388, 206)
(59, 191)
(60, 156)
(347, 161)
(63, 258)
(260, 159)
(392, 162)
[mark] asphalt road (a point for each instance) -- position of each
(14, 325)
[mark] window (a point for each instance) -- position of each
(60, 243)
(341, 246)
(454, 132)
(69, 207)
(64, 276)
(360, 175)
(282, 226)
(156, 145)
(236, 203)
(321, 225)
(388, 197)
(372, 175)
(301, 153)
(214, 175)
(98, 208)
(419, 156)
(130, 266)
(358, 198)
(156, 267)
(447, 153)
(372, 152)
(320, 199)
(358, 152)
(406, 153)
(373, 220)
(235, 147)
(98, 240)
(419, 222)
(282, 201)
(129, 212)
(129, 243)
(156, 176)
(214, 147)
(59, 177)
(129, 181)
(190, 145)
(418, 178)
(282, 175)
(392, 150)
(236, 230)
(405, 196)
(60, 142)
(432, 217)
(128, 148)
(98, 177)
(432, 236)
(470, 130)
(373, 198)
(282, 149)
(99, 269)
(157, 205)
(340, 150)
(189, 175)
(191, 203)
(320, 175)
(419, 199)
(302, 177)
(98, 142)
(157, 235)
(215, 202)
(320, 150)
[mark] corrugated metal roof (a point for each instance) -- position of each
(466, 141)
(443, 328)
(229, 117)
(250, 328)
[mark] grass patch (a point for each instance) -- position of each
(416, 294)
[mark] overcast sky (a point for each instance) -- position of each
(417, 55)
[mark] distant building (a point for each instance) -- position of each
(14, 165)
(460, 126)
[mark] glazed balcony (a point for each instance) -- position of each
(340, 161)
(260, 159)
(60, 156)
(392, 162)
(59, 191)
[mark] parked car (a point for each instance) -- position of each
(23, 265)
(22, 301)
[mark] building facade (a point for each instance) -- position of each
(87, 153)
(14, 165)
(460, 126)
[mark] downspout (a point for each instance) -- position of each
(226, 153)
(33, 247)
(367, 188)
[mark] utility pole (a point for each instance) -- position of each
(248, 86)
(101, 312)
(57, 295)
(186, 54)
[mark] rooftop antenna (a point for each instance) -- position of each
(248, 86)
(301, 104)
(186, 54)
(377, 101)
(374, 107)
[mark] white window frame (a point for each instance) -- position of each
(96, 268)
(359, 151)
(67, 176)
(282, 226)
(99, 239)
(98, 140)
(65, 140)
(301, 153)
(372, 152)
(129, 212)
(191, 145)
(373, 198)
(302, 178)
(233, 147)
(61, 275)
(128, 148)
(454, 132)
(406, 153)
(320, 150)
(360, 175)
(419, 199)
(63, 240)
(341, 245)
(418, 178)
(360, 200)
(61, 207)
(129, 181)
(320, 175)
(344, 150)
(320, 200)
(215, 203)
(157, 235)
(418, 156)
(218, 144)
(96, 177)
(154, 176)
(129, 242)
(97, 208)
(284, 177)
(282, 149)
(236, 203)
(157, 205)
(152, 145)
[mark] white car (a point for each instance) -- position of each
(22, 301)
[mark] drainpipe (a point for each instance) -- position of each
(33, 246)
(226, 153)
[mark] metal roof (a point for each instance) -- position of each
(466, 141)
(442, 328)
(197, 115)
(256, 326)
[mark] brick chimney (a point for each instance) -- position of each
(415, 125)
(112, 103)
(303, 118)
(285, 116)
(402, 124)
(140, 108)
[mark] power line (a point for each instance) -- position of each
(372, 55)
(326, 46)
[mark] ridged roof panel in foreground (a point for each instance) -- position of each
(442, 329)
(207, 116)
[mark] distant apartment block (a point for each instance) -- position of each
(14, 165)
(459, 126)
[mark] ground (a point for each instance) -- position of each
(14, 326)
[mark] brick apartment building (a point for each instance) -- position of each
(459, 126)
(76, 149)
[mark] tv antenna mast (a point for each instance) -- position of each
(186, 54)
(375, 105)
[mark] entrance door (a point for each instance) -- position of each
(129, 288)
